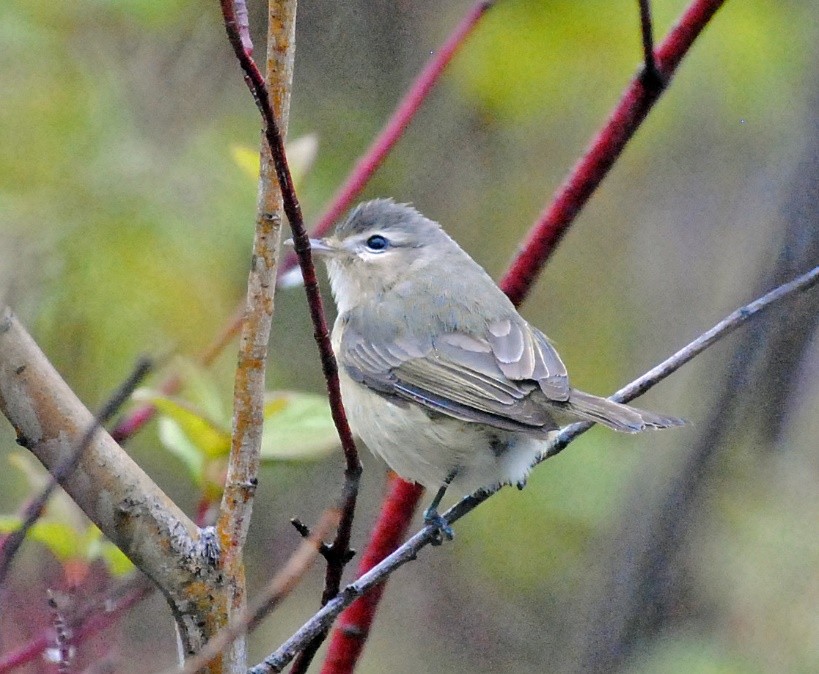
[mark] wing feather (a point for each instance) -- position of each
(504, 378)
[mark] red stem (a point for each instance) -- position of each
(350, 634)
(638, 98)
(87, 626)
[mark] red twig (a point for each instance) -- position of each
(337, 555)
(348, 638)
(92, 619)
(292, 208)
(397, 124)
(604, 150)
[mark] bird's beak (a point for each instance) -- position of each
(317, 246)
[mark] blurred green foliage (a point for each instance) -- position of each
(126, 223)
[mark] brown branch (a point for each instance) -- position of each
(269, 597)
(109, 487)
(352, 187)
(292, 208)
(11, 543)
(249, 388)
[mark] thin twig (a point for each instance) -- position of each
(390, 529)
(94, 616)
(11, 544)
(407, 552)
(275, 141)
(650, 74)
(273, 98)
(301, 241)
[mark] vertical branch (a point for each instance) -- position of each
(249, 385)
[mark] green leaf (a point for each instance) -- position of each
(201, 389)
(297, 426)
(61, 538)
(206, 436)
(99, 547)
(177, 442)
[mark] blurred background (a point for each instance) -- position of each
(126, 226)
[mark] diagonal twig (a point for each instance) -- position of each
(409, 550)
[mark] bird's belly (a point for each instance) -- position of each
(428, 449)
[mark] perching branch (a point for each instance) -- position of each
(542, 241)
(409, 550)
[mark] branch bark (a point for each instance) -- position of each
(249, 387)
(111, 489)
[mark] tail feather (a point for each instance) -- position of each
(617, 416)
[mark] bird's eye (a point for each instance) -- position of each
(377, 243)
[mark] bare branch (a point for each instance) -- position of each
(277, 589)
(650, 74)
(407, 552)
(35, 509)
(273, 97)
(109, 487)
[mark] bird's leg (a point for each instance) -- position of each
(433, 518)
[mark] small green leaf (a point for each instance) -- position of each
(201, 389)
(247, 159)
(206, 436)
(297, 426)
(99, 547)
(177, 442)
(60, 538)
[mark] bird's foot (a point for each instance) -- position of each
(442, 529)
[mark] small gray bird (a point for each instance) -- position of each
(440, 375)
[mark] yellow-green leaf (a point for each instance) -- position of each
(208, 437)
(297, 426)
